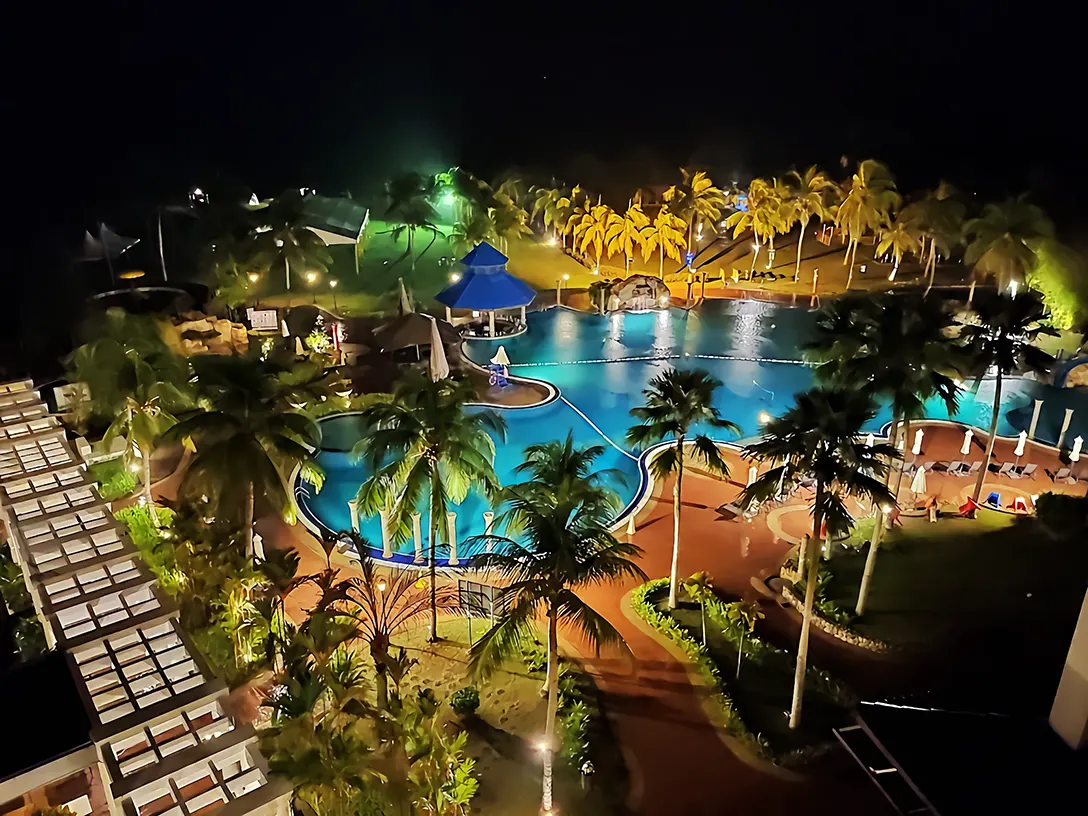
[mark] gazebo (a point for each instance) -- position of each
(486, 286)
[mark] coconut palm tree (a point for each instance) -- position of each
(508, 221)
(808, 195)
(423, 446)
(1002, 337)
(624, 233)
(765, 216)
(901, 236)
(939, 217)
(284, 239)
(678, 404)
(135, 379)
(468, 234)
(549, 203)
(591, 229)
(700, 588)
(818, 439)
(413, 215)
(246, 445)
(696, 199)
(1001, 243)
(666, 235)
(556, 541)
(869, 199)
(901, 348)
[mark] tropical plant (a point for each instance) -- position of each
(556, 541)
(869, 199)
(939, 217)
(465, 701)
(678, 404)
(1002, 337)
(624, 233)
(425, 444)
(696, 198)
(138, 381)
(551, 204)
(592, 228)
(666, 235)
(1061, 278)
(817, 439)
(700, 588)
(899, 347)
(744, 615)
(1001, 243)
(285, 239)
(900, 237)
(467, 234)
(246, 445)
(765, 216)
(508, 221)
(413, 216)
(808, 195)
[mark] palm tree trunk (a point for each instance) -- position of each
(903, 461)
(870, 562)
(810, 599)
(148, 500)
(553, 710)
(851, 252)
(676, 523)
(432, 564)
(755, 255)
(993, 438)
(800, 241)
(162, 258)
(702, 619)
(411, 244)
(380, 656)
(661, 265)
(971, 294)
(287, 267)
(932, 265)
(249, 521)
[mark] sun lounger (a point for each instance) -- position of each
(1006, 469)
(1028, 470)
(1061, 475)
(929, 466)
(956, 467)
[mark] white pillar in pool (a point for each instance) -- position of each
(491, 322)
(387, 541)
(451, 532)
(522, 315)
(1069, 714)
(449, 315)
(353, 510)
(1065, 425)
(417, 536)
(1035, 418)
(489, 519)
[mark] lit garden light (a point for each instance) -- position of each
(559, 289)
(311, 279)
(332, 285)
(454, 277)
(544, 746)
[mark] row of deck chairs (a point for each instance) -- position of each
(1010, 469)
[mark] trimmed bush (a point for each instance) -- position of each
(465, 701)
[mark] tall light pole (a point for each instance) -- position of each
(332, 286)
(311, 279)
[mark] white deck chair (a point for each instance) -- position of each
(1028, 470)
(956, 467)
(1005, 470)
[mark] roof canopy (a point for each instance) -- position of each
(413, 330)
(485, 284)
(341, 217)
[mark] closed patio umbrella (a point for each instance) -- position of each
(965, 448)
(440, 367)
(501, 357)
(918, 485)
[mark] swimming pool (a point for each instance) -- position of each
(601, 364)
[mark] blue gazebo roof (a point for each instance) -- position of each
(485, 284)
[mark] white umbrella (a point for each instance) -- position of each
(1020, 444)
(919, 484)
(1075, 454)
(299, 349)
(501, 357)
(917, 442)
(440, 368)
(753, 473)
(965, 448)
(405, 301)
(870, 440)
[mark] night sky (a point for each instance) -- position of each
(115, 106)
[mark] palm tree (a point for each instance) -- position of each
(286, 240)
(808, 195)
(745, 614)
(818, 439)
(624, 233)
(549, 203)
(869, 199)
(765, 215)
(700, 588)
(556, 541)
(414, 215)
(381, 604)
(508, 221)
(898, 347)
(246, 445)
(901, 236)
(468, 234)
(666, 235)
(696, 197)
(939, 217)
(135, 379)
(1002, 337)
(592, 229)
(1001, 243)
(424, 443)
(677, 403)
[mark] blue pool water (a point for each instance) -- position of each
(601, 365)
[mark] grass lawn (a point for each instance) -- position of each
(763, 691)
(508, 723)
(115, 481)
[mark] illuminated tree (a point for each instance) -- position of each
(286, 240)
(591, 229)
(808, 195)
(1000, 243)
(468, 234)
(666, 235)
(624, 233)
(939, 217)
(696, 198)
(900, 237)
(765, 216)
(869, 199)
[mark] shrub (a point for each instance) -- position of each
(574, 731)
(114, 479)
(1062, 514)
(535, 656)
(465, 701)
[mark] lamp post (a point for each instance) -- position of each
(253, 278)
(332, 286)
(311, 279)
(559, 289)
